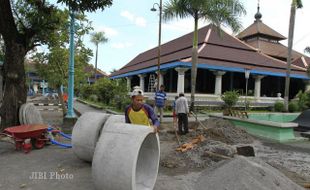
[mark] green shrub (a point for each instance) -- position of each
(293, 106)
(279, 107)
(230, 98)
(86, 91)
(93, 98)
(303, 100)
(121, 101)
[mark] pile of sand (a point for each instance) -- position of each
(225, 131)
(243, 173)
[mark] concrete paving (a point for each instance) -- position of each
(56, 168)
(82, 108)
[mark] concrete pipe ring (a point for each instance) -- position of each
(115, 119)
(21, 114)
(126, 158)
(32, 115)
(86, 133)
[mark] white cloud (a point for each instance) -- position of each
(121, 45)
(137, 20)
(109, 32)
(140, 21)
(128, 15)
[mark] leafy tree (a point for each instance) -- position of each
(215, 11)
(230, 98)
(97, 38)
(53, 66)
(25, 24)
(303, 100)
(110, 92)
(296, 4)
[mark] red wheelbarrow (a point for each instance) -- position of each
(28, 136)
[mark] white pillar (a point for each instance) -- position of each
(142, 81)
(218, 82)
(257, 88)
(181, 78)
(307, 85)
(128, 83)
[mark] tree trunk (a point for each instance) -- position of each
(194, 65)
(289, 56)
(14, 84)
(96, 62)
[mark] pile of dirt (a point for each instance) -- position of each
(199, 157)
(225, 131)
(253, 173)
(219, 138)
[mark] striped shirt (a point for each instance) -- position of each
(160, 97)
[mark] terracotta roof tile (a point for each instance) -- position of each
(302, 61)
(222, 50)
(258, 27)
(277, 50)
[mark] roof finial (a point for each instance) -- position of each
(258, 15)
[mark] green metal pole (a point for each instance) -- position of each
(70, 113)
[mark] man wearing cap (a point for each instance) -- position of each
(139, 113)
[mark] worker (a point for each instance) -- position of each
(160, 101)
(140, 113)
(65, 98)
(181, 109)
(174, 115)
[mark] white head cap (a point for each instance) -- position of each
(137, 91)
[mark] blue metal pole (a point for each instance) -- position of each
(70, 113)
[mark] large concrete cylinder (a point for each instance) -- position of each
(126, 157)
(85, 134)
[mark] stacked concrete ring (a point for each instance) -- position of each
(126, 157)
(32, 115)
(21, 114)
(85, 134)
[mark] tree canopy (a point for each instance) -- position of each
(25, 24)
(86, 5)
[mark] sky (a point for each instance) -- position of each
(131, 28)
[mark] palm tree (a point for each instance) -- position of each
(295, 5)
(215, 11)
(307, 49)
(97, 38)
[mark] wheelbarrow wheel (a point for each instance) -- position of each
(37, 143)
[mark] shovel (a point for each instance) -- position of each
(175, 130)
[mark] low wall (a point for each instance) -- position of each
(267, 129)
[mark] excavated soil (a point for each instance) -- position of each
(182, 170)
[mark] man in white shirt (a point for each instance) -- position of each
(181, 109)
